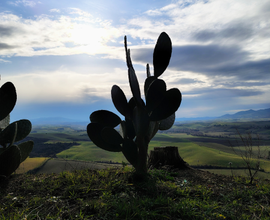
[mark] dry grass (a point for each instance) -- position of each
(30, 164)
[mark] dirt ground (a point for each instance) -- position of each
(56, 165)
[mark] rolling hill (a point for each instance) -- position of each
(250, 114)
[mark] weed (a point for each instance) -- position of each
(112, 194)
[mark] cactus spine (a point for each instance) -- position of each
(12, 155)
(142, 119)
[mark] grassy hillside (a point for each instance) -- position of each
(196, 150)
(115, 194)
(87, 151)
(30, 164)
(193, 153)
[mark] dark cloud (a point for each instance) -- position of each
(265, 9)
(250, 70)
(220, 93)
(4, 46)
(235, 30)
(196, 57)
(212, 60)
(244, 83)
(6, 31)
(215, 102)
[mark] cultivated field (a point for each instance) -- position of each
(30, 164)
(212, 149)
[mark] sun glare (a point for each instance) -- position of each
(88, 37)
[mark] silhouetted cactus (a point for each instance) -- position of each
(12, 155)
(142, 120)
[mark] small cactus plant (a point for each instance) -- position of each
(142, 119)
(12, 155)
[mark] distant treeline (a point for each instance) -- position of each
(50, 150)
(43, 149)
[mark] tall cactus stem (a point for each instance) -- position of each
(142, 143)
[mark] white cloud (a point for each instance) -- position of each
(153, 12)
(63, 85)
(4, 61)
(186, 19)
(25, 3)
(55, 10)
(48, 35)
(79, 12)
(187, 22)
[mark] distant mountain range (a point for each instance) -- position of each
(250, 114)
(58, 121)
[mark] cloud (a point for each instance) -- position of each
(55, 10)
(153, 12)
(187, 81)
(65, 85)
(47, 35)
(237, 31)
(4, 61)
(212, 60)
(250, 70)
(25, 3)
(219, 93)
(216, 102)
(220, 52)
(6, 31)
(4, 46)
(79, 12)
(225, 23)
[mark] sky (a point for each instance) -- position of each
(64, 56)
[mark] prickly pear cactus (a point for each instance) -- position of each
(5, 122)
(12, 155)
(142, 118)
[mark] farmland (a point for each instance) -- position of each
(199, 144)
(30, 164)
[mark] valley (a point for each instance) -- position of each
(201, 144)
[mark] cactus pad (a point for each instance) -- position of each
(94, 131)
(119, 100)
(25, 149)
(24, 128)
(10, 160)
(162, 54)
(105, 118)
(8, 98)
(167, 123)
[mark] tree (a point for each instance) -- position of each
(251, 153)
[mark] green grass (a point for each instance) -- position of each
(192, 152)
(114, 194)
(30, 164)
(87, 151)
